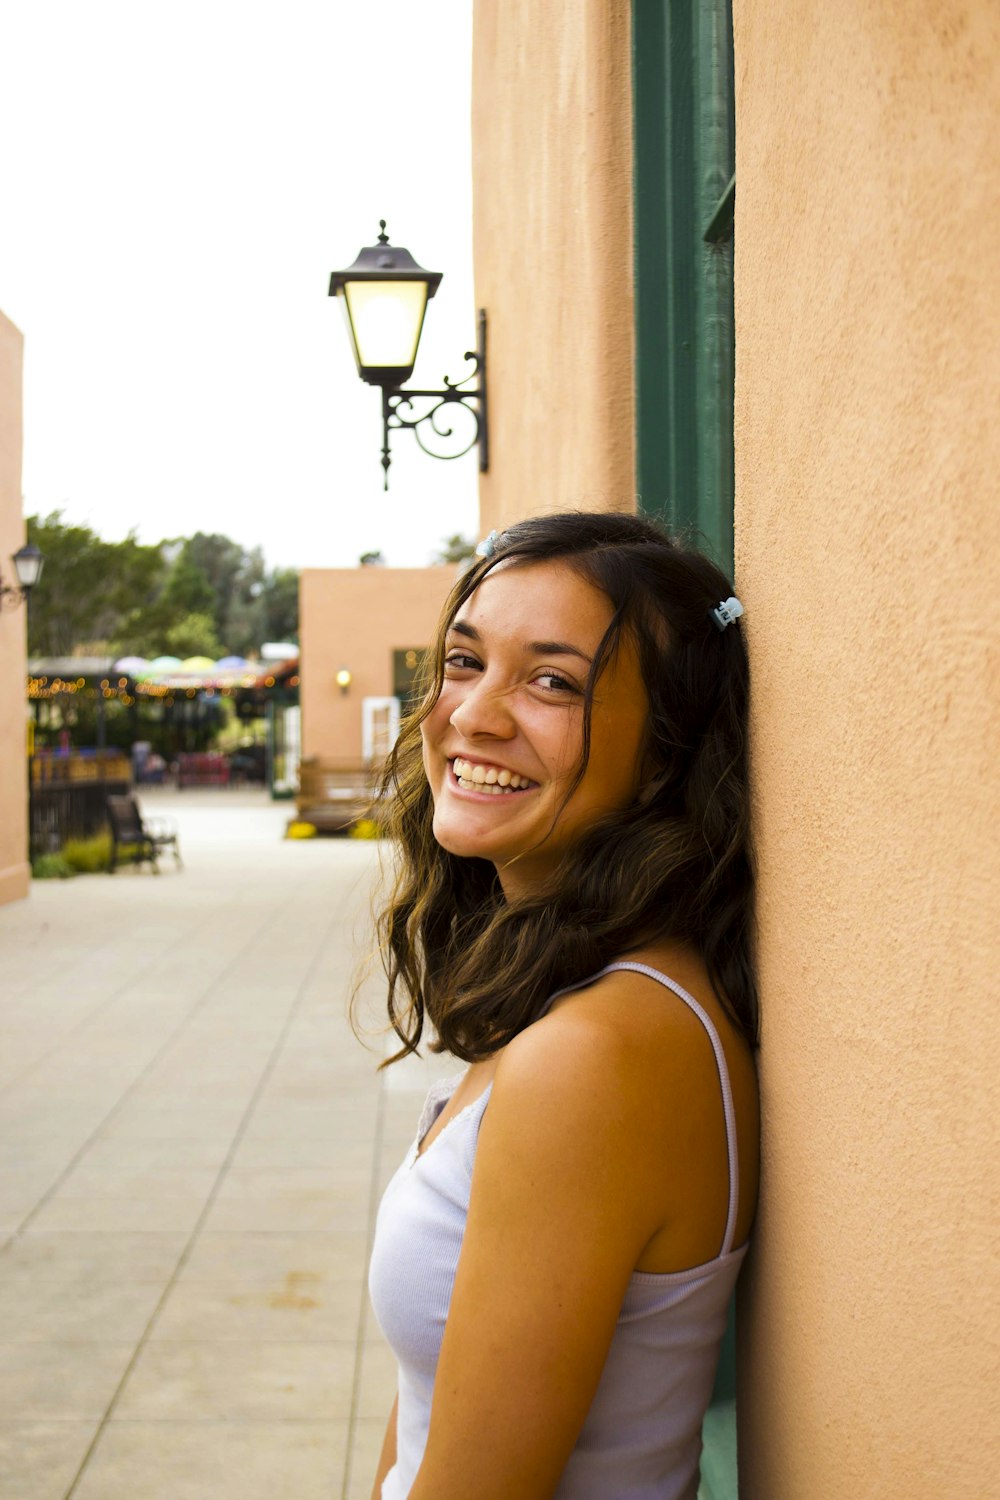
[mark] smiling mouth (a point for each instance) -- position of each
(495, 781)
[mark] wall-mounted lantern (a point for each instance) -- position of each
(28, 564)
(343, 679)
(384, 296)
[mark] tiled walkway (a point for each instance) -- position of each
(192, 1145)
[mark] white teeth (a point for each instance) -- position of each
(483, 786)
(490, 779)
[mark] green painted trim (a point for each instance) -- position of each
(682, 73)
(720, 225)
(719, 1479)
(683, 192)
(714, 147)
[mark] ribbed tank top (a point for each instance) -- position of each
(642, 1436)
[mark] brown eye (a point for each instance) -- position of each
(553, 683)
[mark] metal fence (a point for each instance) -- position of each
(68, 796)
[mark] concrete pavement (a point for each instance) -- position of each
(192, 1147)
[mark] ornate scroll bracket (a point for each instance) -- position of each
(400, 414)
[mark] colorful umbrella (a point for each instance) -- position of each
(131, 666)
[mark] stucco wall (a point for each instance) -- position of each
(867, 392)
(552, 241)
(13, 721)
(356, 618)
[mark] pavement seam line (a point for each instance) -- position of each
(185, 1254)
(119, 1103)
(374, 1198)
(16, 1082)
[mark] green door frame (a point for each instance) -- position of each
(684, 194)
(684, 189)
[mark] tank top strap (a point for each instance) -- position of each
(728, 1107)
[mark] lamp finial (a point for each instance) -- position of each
(383, 238)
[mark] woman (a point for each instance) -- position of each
(573, 912)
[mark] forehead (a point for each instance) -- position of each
(543, 600)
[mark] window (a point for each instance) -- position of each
(407, 668)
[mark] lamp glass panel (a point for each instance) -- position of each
(29, 566)
(386, 317)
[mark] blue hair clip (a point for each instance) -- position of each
(727, 612)
(488, 545)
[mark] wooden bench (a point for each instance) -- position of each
(333, 793)
(138, 839)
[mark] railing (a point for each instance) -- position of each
(59, 767)
(202, 768)
(69, 792)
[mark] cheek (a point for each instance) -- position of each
(613, 773)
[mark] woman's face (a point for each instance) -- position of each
(504, 740)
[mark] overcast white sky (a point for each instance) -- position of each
(178, 182)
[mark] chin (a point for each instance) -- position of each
(461, 842)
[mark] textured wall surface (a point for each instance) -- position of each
(868, 357)
(13, 713)
(552, 240)
(356, 618)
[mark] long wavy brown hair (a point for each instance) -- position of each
(676, 864)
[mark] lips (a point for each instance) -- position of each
(479, 776)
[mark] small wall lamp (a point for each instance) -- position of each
(343, 679)
(28, 564)
(384, 295)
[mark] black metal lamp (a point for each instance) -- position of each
(28, 564)
(385, 295)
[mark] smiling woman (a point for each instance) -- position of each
(573, 915)
(510, 715)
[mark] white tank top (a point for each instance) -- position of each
(642, 1436)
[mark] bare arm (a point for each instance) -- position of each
(388, 1455)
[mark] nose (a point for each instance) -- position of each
(484, 712)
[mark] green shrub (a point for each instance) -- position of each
(51, 867)
(88, 856)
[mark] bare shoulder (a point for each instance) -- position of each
(629, 1012)
(614, 1040)
(564, 1147)
(623, 1068)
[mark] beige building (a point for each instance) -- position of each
(14, 869)
(551, 134)
(371, 624)
(864, 307)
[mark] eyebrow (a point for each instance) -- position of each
(536, 648)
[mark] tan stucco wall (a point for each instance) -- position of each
(867, 392)
(552, 241)
(13, 721)
(356, 618)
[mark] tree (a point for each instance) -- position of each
(280, 599)
(238, 591)
(88, 585)
(203, 595)
(188, 589)
(455, 549)
(194, 635)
